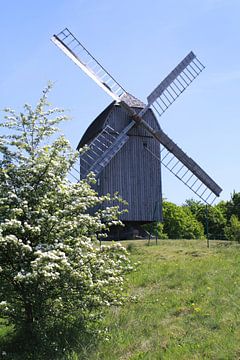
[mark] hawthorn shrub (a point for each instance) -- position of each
(53, 273)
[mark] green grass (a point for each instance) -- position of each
(188, 304)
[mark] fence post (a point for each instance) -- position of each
(206, 223)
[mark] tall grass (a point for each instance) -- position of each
(188, 304)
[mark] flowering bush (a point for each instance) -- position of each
(52, 271)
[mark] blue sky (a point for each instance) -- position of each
(139, 42)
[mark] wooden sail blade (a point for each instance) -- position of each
(174, 84)
(102, 149)
(183, 160)
(69, 44)
(177, 168)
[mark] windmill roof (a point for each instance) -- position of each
(95, 127)
(132, 101)
(98, 124)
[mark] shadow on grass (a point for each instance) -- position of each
(72, 343)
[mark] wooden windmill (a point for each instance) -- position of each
(126, 145)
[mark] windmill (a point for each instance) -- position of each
(126, 144)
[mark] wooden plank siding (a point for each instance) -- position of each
(134, 172)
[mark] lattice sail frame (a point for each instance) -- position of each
(174, 84)
(70, 45)
(159, 101)
(100, 151)
(178, 169)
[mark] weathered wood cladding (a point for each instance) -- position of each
(134, 172)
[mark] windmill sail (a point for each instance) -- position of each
(186, 169)
(188, 162)
(180, 164)
(106, 145)
(102, 149)
(70, 45)
(174, 84)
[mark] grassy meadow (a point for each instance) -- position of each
(187, 305)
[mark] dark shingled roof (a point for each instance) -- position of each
(97, 125)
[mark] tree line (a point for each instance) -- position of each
(195, 220)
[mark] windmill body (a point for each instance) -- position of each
(127, 146)
(134, 172)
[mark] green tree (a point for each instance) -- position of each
(233, 206)
(156, 229)
(53, 274)
(213, 218)
(232, 231)
(179, 222)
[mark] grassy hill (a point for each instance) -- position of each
(188, 304)
(187, 307)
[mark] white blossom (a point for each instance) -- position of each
(50, 258)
